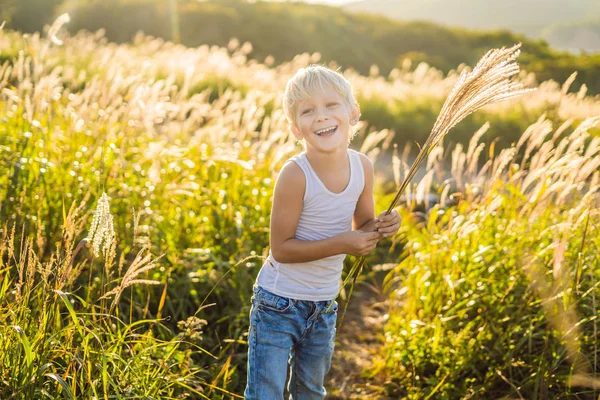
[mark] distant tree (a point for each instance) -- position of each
(7, 8)
(32, 15)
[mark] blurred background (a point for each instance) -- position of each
(559, 36)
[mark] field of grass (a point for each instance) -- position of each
(496, 296)
(134, 206)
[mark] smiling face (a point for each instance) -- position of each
(324, 121)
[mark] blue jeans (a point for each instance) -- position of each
(285, 330)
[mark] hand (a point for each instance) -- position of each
(388, 225)
(359, 243)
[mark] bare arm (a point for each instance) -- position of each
(364, 215)
(285, 213)
(298, 251)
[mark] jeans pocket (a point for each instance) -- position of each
(270, 301)
(332, 307)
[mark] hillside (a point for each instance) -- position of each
(357, 40)
(581, 35)
(514, 15)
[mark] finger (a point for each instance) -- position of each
(375, 240)
(388, 234)
(387, 225)
(382, 223)
(388, 218)
(394, 215)
(390, 228)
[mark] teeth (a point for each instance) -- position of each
(331, 128)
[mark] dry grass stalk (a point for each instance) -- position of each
(4, 243)
(56, 25)
(102, 231)
(74, 225)
(138, 266)
(11, 242)
(548, 172)
(488, 83)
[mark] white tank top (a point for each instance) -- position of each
(324, 214)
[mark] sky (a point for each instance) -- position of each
(329, 2)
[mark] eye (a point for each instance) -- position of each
(332, 104)
(307, 110)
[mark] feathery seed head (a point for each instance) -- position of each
(58, 23)
(102, 230)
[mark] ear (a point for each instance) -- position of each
(296, 131)
(354, 115)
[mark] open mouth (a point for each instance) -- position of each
(326, 132)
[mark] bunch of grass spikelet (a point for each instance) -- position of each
(489, 82)
(102, 238)
(102, 231)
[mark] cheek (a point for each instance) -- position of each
(305, 122)
(343, 115)
(304, 125)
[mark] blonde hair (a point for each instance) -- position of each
(306, 81)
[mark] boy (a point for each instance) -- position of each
(322, 209)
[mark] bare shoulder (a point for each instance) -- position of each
(366, 163)
(291, 179)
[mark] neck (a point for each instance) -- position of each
(327, 161)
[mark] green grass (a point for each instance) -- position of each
(188, 152)
(496, 296)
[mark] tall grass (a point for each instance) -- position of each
(56, 344)
(186, 143)
(497, 295)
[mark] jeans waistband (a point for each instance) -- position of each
(325, 302)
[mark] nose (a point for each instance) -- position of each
(321, 115)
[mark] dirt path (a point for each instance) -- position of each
(359, 341)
